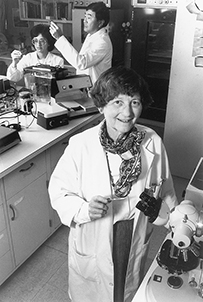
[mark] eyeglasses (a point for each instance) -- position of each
(40, 41)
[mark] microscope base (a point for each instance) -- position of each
(158, 289)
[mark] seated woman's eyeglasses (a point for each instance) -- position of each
(40, 41)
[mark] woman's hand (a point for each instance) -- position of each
(16, 56)
(98, 207)
(55, 31)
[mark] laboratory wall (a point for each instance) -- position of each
(183, 135)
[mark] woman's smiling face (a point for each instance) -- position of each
(121, 114)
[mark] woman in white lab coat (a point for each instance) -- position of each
(95, 56)
(96, 187)
(43, 44)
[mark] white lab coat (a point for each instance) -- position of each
(94, 57)
(31, 59)
(81, 173)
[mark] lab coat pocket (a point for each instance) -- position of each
(84, 265)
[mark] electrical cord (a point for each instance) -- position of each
(8, 101)
(9, 104)
(4, 123)
(12, 91)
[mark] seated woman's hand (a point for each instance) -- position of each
(98, 207)
(16, 56)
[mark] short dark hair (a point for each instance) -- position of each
(119, 80)
(101, 11)
(43, 29)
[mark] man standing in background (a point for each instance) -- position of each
(95, 56)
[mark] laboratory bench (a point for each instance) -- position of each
(26, 216)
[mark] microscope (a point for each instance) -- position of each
(182, 251)
(179, 274)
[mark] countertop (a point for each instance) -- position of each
(35, 140)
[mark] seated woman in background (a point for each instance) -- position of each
(43, 43)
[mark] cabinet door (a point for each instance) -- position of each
(2, 220)
(29, 218)
(4, 245)
(6, 262)
(6, 266)
(6, 259)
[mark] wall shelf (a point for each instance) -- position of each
(41, 10)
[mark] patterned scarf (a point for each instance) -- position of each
(128, 148)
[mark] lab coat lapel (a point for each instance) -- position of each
(147, 154)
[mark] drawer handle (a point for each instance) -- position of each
(28, 168)
(14, 214)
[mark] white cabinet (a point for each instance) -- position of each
(6, 262)
(28, 207)
(4, 247)
(29, 219)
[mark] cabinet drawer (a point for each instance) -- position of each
(24, 175)
(4, 245)
(2, 221)
(6, 266)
